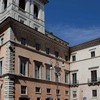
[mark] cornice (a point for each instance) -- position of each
(85, 45)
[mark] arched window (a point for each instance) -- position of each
(35, 11)
(5, 4)
(22, 4)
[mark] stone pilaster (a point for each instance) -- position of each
(9, 88)
(9, 68)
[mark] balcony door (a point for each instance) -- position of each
(94, 76)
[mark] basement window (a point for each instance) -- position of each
(22, 4)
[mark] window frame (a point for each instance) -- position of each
(48, 74)
(47, 51)
(73, 57)
(22, 59)
(93, 75)
(1, 65)
(49, 90)
(92, 54)
(26, 90)
(23, 41)
(94, 93)
(37, 46)
(37, 71)
(36, 90)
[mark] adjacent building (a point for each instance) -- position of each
(85, 71)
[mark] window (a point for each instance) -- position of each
(1, 40)
(5, 4)
(66, 77)
(35, 11)
(36, 28)
(74, 94)
(74, 78)
(57, 91)
(37, 46)
(23, 66)
(37, 90)
(66, 58)
(22, 21)
(94, 76)
(94, 93)
(66, 92)
(47, 50)
(38, 67)
(48, 90)
(57, 74)
(38, 98)
(0, 67)
(93, 54)
(56, 54)
(24, 90)
(48, 72)
(73, 58)
(22, 4)
(23, 41)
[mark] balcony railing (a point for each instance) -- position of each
(74, 83)
(94, 81)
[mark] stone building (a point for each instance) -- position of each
(85, 71)
(33, 63)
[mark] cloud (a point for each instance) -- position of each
(75, 35)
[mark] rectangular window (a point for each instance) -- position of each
(93, 54)
(66, 93)
(47, 50)
(66, 58)
(94, 93)
(48, 91)
(22, 4)
(23, 41)
(74, 94)
(74, 78)
(0, 67)
(56, 54)
(74, 58)
(37, 90)
(38, 67)
(57, 91)
(38, 98)
(94, 76)
(48, 73)
(23, 66)
(1, 40)
(57, 74)
(23, 90)
(37, 46)
(66, 77)
(36, 28)
(22, 21)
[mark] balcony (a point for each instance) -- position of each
(94, 81)
(74, 83)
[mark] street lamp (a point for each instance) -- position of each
(57, 73)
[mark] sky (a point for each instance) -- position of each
(74, 21)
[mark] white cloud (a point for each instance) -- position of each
(75, 35)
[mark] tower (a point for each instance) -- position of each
(29, 12)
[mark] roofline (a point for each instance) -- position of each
(84, 45)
